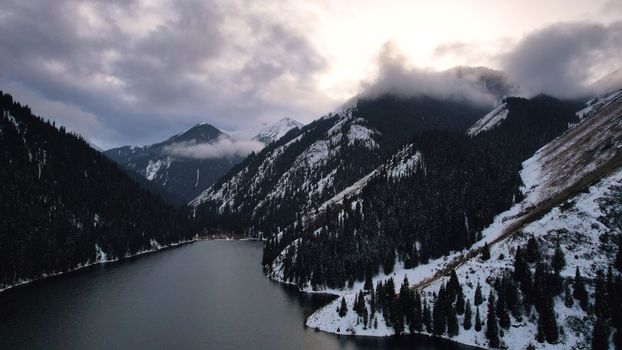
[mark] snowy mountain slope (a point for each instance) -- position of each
(179, 176)
(560, 207)
(441, 177)
(277, 130)
(578, 226)
(309, 166)
(490, 120)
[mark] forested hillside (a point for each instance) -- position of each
(308, 166)
(432, 197)
(64, 205)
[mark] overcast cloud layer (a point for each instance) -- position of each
(135, 72)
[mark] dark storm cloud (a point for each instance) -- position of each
(564, 59)
(199, 61)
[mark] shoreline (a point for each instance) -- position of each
(337, 296)
(89, 264)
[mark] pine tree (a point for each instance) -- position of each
(368, 282)
(452, 321)
(478, 320)
(559, 259)
(601, 297)
(600, 335)
(343, 309)
(492, 331)
(439, 319)
(540, 336)
(618, 262)
(427, 317)
(485, 252)
(416, 323)
(478, 299)
(467, 316)
(460, 303)
(533, 251)
(579, 291)
(502, 312)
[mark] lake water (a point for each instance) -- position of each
(206, 295)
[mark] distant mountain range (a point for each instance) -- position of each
(184, 165)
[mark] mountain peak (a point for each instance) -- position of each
(201, 133)
(277, 130)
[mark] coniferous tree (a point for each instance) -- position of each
(492, 331)
(601, 297)
(343, 309)
(478, 299)
(579, 291)
(368, 282)
(452, 321)
(439, 318)
(559, 259)
(416, 323)
(600, 335)
(467, 316)
(486, 252)
(427, 317)
(460, 303)
(478, 320)
(618, 262)
(533, 251)
(502, 312)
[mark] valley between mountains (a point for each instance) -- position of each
(489, 226)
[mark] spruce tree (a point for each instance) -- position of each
(533, 251)
(416, 323)
(478, 320)
(601, 297)
(452, 321)
(485, 252)
(502, 312)
(439, 319)
(492, 331)
(600, 335)
(460, 303)
(467, 316)
(579, 291)
(343, 309)
(427, 317)
(478, 299)
(559, 259)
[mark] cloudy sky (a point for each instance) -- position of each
(136, 71)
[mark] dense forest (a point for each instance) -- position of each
(531, 289)
(439, 205)
(268, 189)
(63, 204)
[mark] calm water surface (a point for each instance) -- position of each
(206, 295)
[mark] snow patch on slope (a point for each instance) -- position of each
(490, 120)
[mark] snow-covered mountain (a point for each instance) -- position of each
(309, 165)
(277, 130)
(172, 165)
(570, 207)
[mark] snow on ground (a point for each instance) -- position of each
(490, 120)
(154, 167)
(576, 225)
